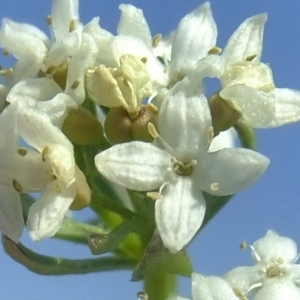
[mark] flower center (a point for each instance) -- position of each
(183, 169)
(275, 268)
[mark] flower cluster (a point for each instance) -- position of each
(274, 276)
(148, 98)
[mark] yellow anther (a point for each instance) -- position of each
(154, 195)
(214, 50)
(215, 186)
(251, 57)
(156, 39)
(72, 25)
(49, 20)
(5, 52)
(45, 153)
(75, 84)
(152, 130)
(22, 151)
(142, 296)
(144, 59)
(5, 72)
(210, 134)
(243, 245)
(17, 186)
(153, 108)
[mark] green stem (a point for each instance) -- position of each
(246, 135)
(47, 265)
(160, 286)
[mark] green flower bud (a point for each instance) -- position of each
(82, 127)
(121, 127)
(83, 192)
(224, 114)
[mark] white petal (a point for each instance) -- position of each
(211, 66)
(195, 35)
(136, 165)
(184, 122)
(33, 40)
(243, 278)
(247, 40)
(287, 105)
(61, 50)
(211, 288)
(278, 289)
(274, 246)
(38, 131)
(29, 91)
(46, 215)
(62, 14)
(57, 109)
(132, 22)
(225, 139)
(179, 213)
(229, 171)
(78, 65)
(8, 128)
(11, 217)
(257, 108)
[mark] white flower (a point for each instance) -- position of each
(248, 83)
(18, 167)
(44, 95)
(275, 269)
(184, 168)
(56, 152)
(46, 165)
(209, 288)
(71, 50)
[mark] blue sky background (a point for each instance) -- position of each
(273, 202)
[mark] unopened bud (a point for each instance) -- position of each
(224, 114)
(82, 127)
(83, 192)
(120, 127)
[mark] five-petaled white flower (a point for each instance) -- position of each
(182, 168)
(248, 83)
(275, 273)
(46, 166)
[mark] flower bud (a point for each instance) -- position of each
(120, 127)
(224, 114)
(82, 127)
(83, 192)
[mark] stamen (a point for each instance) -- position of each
(144, 59)
(142, 296)
(154, 195)
(17, 186)
(243, 245)
(214, 186)
(156, 39)
(152, 130)
(22, 151)
(5, 52)
(45, 153)
(5, 72)
(153, 108)
(210, 134)
(49, 20)
(214, 50)
(72, 25)
(75, 84)
(251, 57)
